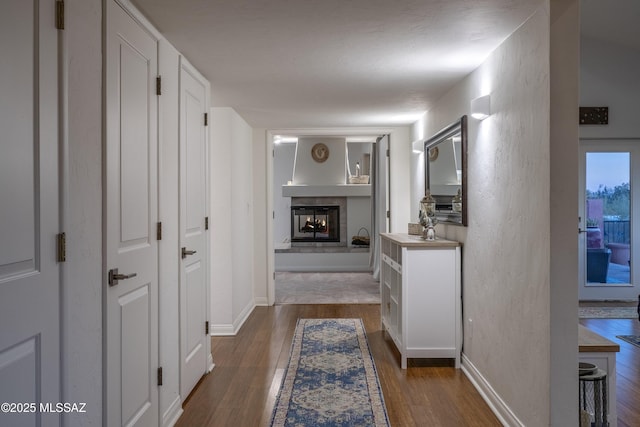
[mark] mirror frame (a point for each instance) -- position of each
(459, 126)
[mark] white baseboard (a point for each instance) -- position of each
(210, 364)
(262, 301)
(243, 316)
(495, 402)
(222, 330)
(323, 269)
(171, 415)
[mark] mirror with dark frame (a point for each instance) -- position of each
(445, 157)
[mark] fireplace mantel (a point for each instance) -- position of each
(341, 190)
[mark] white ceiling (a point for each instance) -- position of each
(334, 63)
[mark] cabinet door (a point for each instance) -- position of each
(431, 300)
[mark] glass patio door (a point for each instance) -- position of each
(607, 236)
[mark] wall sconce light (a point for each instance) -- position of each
(481, 107)
(418, 146)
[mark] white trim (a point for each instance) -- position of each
(171, 415)
(262, 301)
(348, 131)
(210, 364)
(242, 317)
(223, 329)
(137, 16)
(493, 399)
(325, 269)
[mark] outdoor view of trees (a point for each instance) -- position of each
(615, 201)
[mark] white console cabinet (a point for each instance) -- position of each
(420, 296)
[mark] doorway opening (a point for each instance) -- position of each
(608, 200)
(305, 243)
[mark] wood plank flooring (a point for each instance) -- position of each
(627, 364)
(242, 388)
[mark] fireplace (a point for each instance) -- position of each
(315, 224)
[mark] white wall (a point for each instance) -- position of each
(262, 187)
(332, 171)
(168, 247)
(609, 78)
(506, 247)
(400, 179)
(283, 159)
(564, 206)
(232, 220)
(82, 283)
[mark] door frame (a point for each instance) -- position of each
(609, 292)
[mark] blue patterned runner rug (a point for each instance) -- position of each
(331, 379)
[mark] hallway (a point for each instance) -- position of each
(242, 388)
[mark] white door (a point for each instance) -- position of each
(609, 196)
(29, 273)
(130, 209)
(193, 245)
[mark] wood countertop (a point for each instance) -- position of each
(409, 240)
(589, 341)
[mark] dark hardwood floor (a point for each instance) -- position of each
(627, 365)
(242, 388)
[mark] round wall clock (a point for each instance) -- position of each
(433, 153)
(320, 152)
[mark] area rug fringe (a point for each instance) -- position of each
(331, 378)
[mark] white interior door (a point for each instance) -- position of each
(130, 206)
(193, 245)
(29, 273)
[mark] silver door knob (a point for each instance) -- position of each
(186, 252)
(114, 276)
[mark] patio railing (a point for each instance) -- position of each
(617, 232)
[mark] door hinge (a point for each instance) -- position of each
(274, 275)
(60, 14)
(159, 231)
(273, 214)
(206, 119)
(388, 214)
(160, 375)
(388, 153)
(206, 222)
(206, 327)
(159, 85)
(61, 245)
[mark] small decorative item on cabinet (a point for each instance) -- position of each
(428, 216)
(456, 202)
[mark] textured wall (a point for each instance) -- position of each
(565, 61)
(168, 213)
(609, 78)
(221, 217)
(506, 245)
(82, 294)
